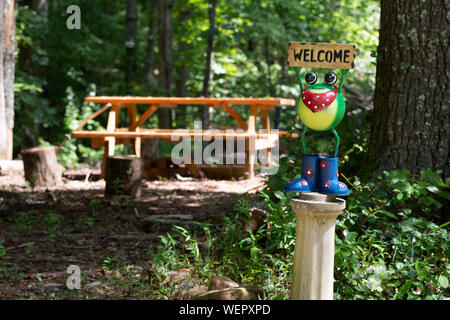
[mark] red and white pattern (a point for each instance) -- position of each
(341, 185)
(318, 101)
(309, 172)
(327, 185)
(304, 183)
(323, 164)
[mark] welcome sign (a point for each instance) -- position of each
(321, 55)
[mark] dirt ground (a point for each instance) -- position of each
(44, 231)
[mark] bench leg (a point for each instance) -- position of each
(251, 157)
(251, 141)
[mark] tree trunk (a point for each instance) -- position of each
(165, 59)
(151, 36)
(131, 24)
(7, 39)
(41, 167)
(123, 176)
(209, 51)
(182, 70)
(410, 125)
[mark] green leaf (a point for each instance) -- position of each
(387, 213)
(443, 281)
(433, 189)
(351, 236)
(254, 251)
(405, 287)
(280, 195)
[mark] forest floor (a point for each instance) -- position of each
(42, 232)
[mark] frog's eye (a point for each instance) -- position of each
(311, 78)
(330, 78)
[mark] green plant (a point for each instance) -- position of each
(8, 269)
(51, 223)
(25, 221)
(389, 244)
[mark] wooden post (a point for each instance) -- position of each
(314, 246)
(251, 141)
(265, 122)
(123, 176)
(132, 113)
(41, 167)
(110, 142)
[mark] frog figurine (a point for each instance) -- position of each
(321, 107)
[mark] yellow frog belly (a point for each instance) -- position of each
(319, 121)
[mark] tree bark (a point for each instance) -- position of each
(41, 167)
(123, 176)
(410, 125)
(151, 36)
(131, 24)
(209, 52)
(7, 39)
(165, 59)
(183, 72)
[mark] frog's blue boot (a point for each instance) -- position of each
(310, 176)
(329, 183)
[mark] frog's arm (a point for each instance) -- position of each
(341, 83)
(305, 150)
(337, 142)
(297, 71)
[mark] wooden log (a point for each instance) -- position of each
(123, 176)
(41, 167)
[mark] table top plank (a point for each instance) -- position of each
(214, 102)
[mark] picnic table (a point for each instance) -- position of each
(133, 134)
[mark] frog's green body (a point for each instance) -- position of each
(325, 119)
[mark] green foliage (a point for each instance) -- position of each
(7, 267)
(56, 67)
(387, 246)
(390, 244)
(76, 150)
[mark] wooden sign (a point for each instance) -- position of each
(321, 55)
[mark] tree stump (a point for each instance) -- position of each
(123, 176)
(41, 167)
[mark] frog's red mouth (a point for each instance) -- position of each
(318, 101)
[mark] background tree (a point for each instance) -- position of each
(182, 63)
(131, 24)
(58, 67)
(151, 43)
(209, 54)
(410, 127)
(7, 47)
(165, 59)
